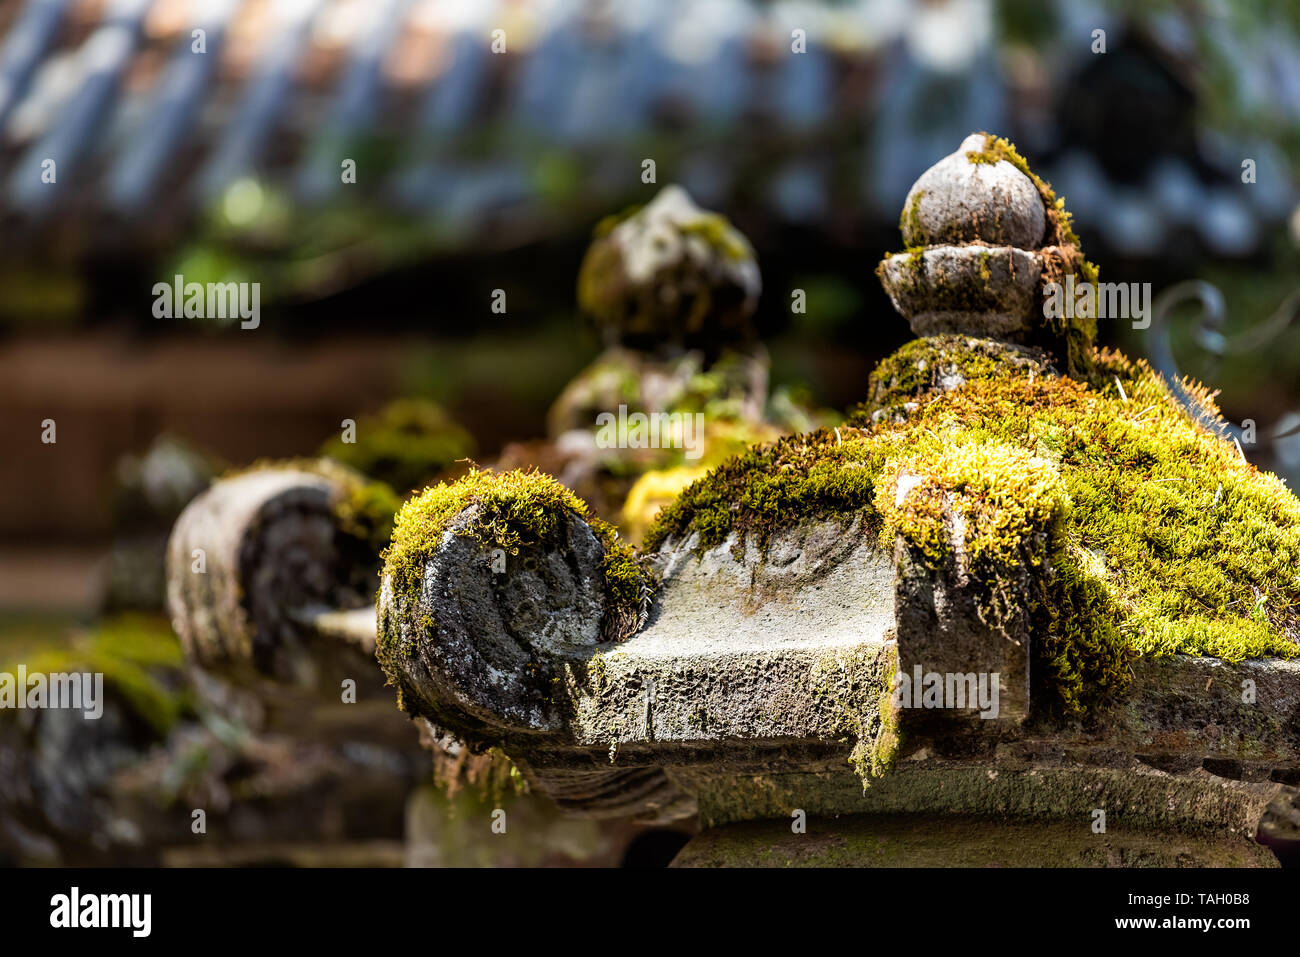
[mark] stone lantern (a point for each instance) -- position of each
(1021, 607)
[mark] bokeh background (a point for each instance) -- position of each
(479, 171)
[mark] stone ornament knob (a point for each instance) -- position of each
(962, 200)
(670, 274)
(983, 235)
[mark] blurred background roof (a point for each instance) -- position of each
(151, 139)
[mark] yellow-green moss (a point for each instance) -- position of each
(999, 491)
(771, 486)
(1166, 541)
(716, 230)
(997, 149)
(406, 444)
(514, 510)
(874, 755)
(1071, 339)
(140, 659)
(937, 362)
(909, 222)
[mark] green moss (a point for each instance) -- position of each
(941, 362)
(607, 223)
(405, 444)
(686, 299)
(140, 659)
(1000, 491)
(997, 149)
(772, 486)
(716, 230)
(909, 222)
(1157, 537)
(877, 750)
(513, 510)
(1070, 339)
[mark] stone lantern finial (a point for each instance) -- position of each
(670, 274)
(984, 235)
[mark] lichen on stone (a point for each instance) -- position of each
(909, 222)
(1062, 254)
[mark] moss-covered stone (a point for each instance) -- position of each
(909, 222)
(1070, 338)
(140, 659)
(511, 510)
(1060, 229)
(669, 274)
(364, 508)
(406, 444)
(1160, 538)
(939, 363)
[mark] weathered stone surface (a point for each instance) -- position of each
(777, 662)
(1134, 796)
(272, 552)
(975, 290)
(776, 644)
(750, 661)
(914, 840)
(485, 645)
(944, 629)
(958, 200)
